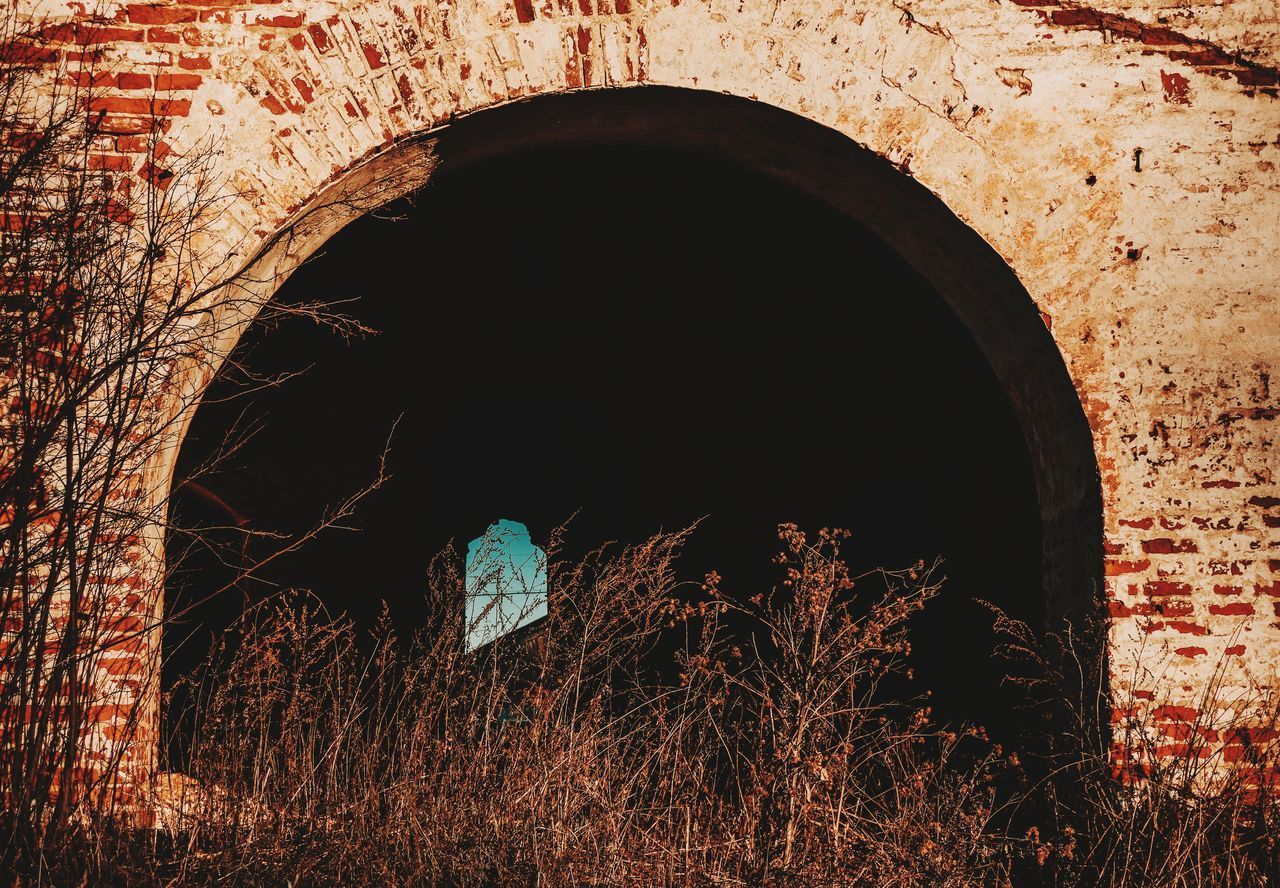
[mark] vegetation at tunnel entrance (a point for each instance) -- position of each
(768, 756)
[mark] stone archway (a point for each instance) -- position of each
(975, 281)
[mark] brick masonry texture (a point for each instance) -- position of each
(1122, 159)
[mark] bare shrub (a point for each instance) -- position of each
(106, 319)
(765, 754)
(101, 301)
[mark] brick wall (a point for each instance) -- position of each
(1121, 159)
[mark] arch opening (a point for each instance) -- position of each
(779, 327)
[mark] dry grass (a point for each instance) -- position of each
(653, 734)
(760, 754)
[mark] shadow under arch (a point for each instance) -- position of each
(977, 284)
(964, 269)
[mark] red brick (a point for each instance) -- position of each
(96, 79)
(1234, 753)
(123, 666)
(133, 80)
(157, 106)
(1201, 57)
(1119, 609)
(1122, 27)
(1175, 607)
(373, 55)
(1234, 609)
(1184, 731)
(1163, 587)
(1115, 567)
(320, 37)
(127, 626)
(169, 82)
(106, 713)
(1140, 523)
(163, 35)
(114, 162)
(131, 144)
(160, 15)
(124, 731)
(1166, 546)
(1182, 751)
(194, 62)
(1250, 736)
(157, 176)
(304, 89)
(281, 21)
(111, 35)
(130, 601)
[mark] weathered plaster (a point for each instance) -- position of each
(1122, 159)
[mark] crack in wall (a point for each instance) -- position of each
(952, 111)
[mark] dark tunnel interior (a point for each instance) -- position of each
(642, 337)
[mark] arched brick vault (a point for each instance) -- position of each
(1121, 161)
(971, 276)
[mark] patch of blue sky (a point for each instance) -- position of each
(506, 583)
